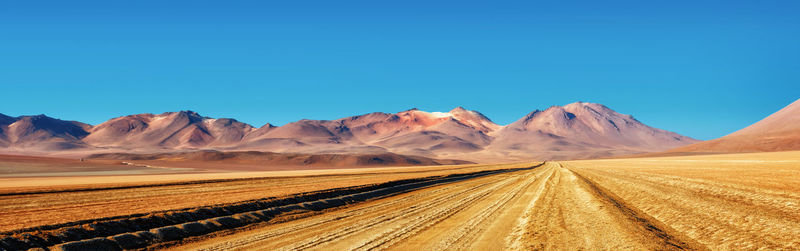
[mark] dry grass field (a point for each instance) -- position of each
(716, 202)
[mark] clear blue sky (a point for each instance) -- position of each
(700, 68)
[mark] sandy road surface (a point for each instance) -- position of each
(547, 207)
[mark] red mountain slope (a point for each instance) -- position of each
(777, 132)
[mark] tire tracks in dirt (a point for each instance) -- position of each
(358, 220)
(718, 216)
(156, 230)
(549, 207)
(670, 237)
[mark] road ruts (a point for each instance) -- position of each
(575, 213)
(548, 207)
(719, 214)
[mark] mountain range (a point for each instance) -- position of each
(577, 130)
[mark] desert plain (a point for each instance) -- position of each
(746, 201)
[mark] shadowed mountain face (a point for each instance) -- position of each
(41, 133)
(4, 122)
(573, 131)
(777, 132)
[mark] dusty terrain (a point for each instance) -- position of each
(731, 201)
(107, 164)
(269, 161)
(29, 166)
(717, 202)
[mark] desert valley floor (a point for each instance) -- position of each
(716, 202)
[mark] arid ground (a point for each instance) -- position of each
(716, 202)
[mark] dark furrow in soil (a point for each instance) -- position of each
(144, 230)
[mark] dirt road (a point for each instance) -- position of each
(547, 207)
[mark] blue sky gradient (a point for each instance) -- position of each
(699, 68)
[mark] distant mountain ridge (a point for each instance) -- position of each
(41, 132)
(577, 130)
(170, 130)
